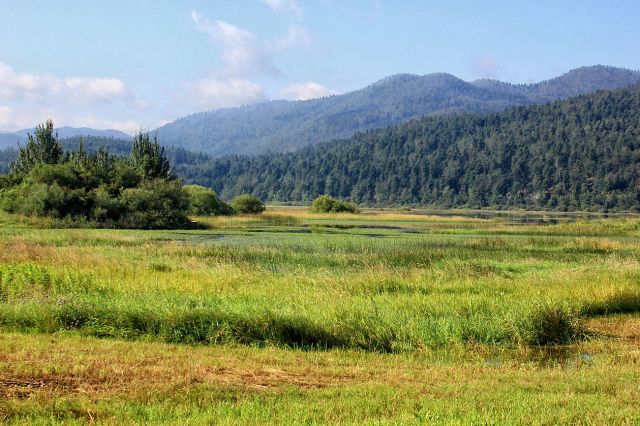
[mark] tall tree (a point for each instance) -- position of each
(42, 147)
(149, 157)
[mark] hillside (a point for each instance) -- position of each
(578, 154)
(281, 126)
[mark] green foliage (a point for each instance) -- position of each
(204, 202)
(68, 175)
(7, 156)
(155, 204)
(327, 204)
(96, 188)
(578, 154)
(41, 148)
(149, 158)
(55, 190)
(246, 203)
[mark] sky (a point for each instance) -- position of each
(138, 64)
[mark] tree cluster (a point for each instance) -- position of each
(135, 192)
(85, 183)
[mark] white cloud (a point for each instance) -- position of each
(220, 93)
(245, 57)
(68, 101)
(15, 85)
(284, 6)
(29, 115)
(127, 126)
(486, 66)
(297, 36)
(243, 53)
(96, 88)
(5, 115)
(304, 91)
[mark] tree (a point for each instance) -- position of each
(149, 158)
(41, 148)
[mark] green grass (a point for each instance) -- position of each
(413, 287)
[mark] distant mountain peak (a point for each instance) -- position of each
(11, 139)
(287, 125)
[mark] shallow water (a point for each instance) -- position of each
(513, 217)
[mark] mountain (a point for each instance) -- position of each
(8, 140)
(11, 139)
(582, 153)
(281, 126)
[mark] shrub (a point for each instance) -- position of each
(327, 204)
(204, 202)
(247, 204)
(156, 204)
(551, 324)
(40, 199)
(66, 175)
(125, 176)
(107, 208)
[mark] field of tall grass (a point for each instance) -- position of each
(388, 288)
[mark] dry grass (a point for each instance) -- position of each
(42, 370)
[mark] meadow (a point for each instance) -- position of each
(380, 317)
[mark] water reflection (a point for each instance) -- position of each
(565, 357)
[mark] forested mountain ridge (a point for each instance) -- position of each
(582, 153)
(281, 126)
(11, 139)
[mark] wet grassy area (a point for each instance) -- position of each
(404, 316)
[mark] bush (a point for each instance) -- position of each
(551, 324)
(107, 208)
(204, 202)
(39, 199)
(66, 175)
(327, 204)
(156, 204)
(247, 204)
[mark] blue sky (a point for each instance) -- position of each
(131, 64)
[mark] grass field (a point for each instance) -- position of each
(292, 317)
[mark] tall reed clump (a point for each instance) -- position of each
(549, 323)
